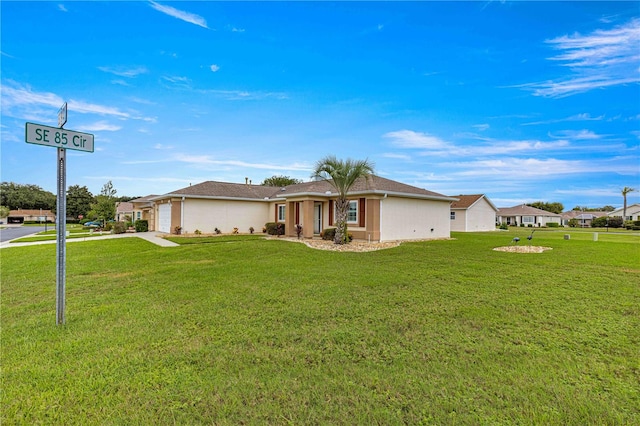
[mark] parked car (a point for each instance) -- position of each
(94, 224)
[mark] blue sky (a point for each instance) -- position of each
(522, 101)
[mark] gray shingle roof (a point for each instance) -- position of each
(371, 184)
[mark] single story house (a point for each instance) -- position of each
(583, 219)
(144, 209)
(380, 209)
(473, 213)
(527, 216)
(124, 209)
(633, 212)
(34, 215)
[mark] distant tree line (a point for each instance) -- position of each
(597, 209)
(80, 201)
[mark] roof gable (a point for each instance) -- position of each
(524, 210)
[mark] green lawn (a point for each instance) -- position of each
(250, 331)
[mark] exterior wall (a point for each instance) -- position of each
(479, 217)
(206, 215)
(459, 224)
(414, 219)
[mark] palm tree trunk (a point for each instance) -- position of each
(342, 208)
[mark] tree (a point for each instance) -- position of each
(79, 200)
(342, 175)
(26, 197)
(4, 212)
(104, 207)
(549, 207)
(280, 181)
(625, 191)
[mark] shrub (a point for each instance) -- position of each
(274, 228)
(251, 230)
(329, 234)
(553, 224)
(504, 226)
(217, 231)
(197, 232)
(178, 230)
(235, 231)
(119, 227)
(142, 225)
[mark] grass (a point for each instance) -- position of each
(255, 331)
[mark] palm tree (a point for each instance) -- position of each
(342, 175)
(625, 191)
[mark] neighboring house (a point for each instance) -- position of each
(35, 215)
(380, 209)
(527, 216)
(583, 219)
(124, 209)
(144, 208)
(633, 212)
(473, 213)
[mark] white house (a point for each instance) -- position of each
(527, 216)
(473, 213)
(633, 212)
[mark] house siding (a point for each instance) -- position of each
(479, 217)
(206, 215)
(413, 219)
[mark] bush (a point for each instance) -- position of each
(274, 228)
(329, 234)
(142, 225)
(119, 227)
(553, 225)
(601, 222)
(504, 226)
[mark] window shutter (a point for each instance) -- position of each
(361, 212)
(276, 215)
(331, 208)
(297, 213)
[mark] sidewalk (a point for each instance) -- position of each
(153, 237)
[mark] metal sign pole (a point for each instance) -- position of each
(61, 222)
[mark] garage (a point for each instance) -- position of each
(164, 218)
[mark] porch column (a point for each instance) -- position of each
(373, 219)
(306, 216)
(290, 220)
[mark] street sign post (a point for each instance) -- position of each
(61, 139)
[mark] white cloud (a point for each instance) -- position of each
(576, 135)
(214, 68)
(62, 8)
(98, 126)
(600, 59)
(481, 127)
(179, 14)
(125, 71)
(411, 139)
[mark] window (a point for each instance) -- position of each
(352, 212)
(281, 212)
(527, 219)
(453, 215)
(138, 216)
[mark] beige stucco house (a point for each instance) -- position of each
(527, 216)
(380, 209)
(473, 213)
(144, 208)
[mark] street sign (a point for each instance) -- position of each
(40, 134)
(62, 115)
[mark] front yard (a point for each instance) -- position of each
(241, 330)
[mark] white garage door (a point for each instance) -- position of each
(164, 218)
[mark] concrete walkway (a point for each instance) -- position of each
(153, 237)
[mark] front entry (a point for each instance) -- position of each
(317, 218)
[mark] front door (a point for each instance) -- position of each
(317, 218)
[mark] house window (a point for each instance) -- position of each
(138, 216)
(281, 212)
(453, 215)
(527, 219)
(352, 212)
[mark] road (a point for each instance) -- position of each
(13, 232)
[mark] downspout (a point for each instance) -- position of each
(182, 213)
